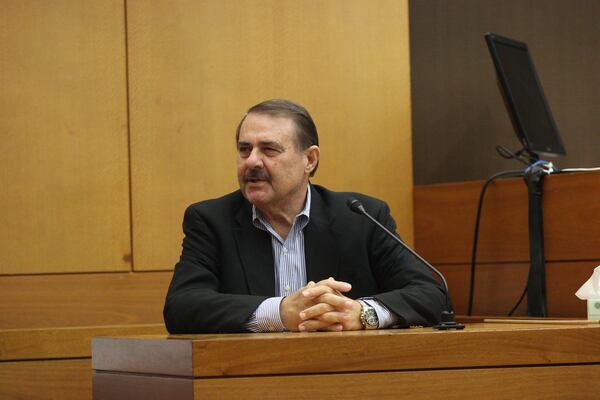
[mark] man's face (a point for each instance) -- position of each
(271, 168)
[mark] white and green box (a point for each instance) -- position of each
(594, 309)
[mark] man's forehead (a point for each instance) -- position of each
(243, 142)
(268, 127)
(268, 119)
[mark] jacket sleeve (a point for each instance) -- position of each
(194, 303)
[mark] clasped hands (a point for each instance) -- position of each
(321, 306)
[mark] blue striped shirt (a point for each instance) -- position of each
(290, 273)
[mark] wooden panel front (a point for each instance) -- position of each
(47, 301)
(63, 120)
(43, 380)
(531, 383)
(568, 382)
(196, 67)
(498, 360)
(480, 345)
(404, 349)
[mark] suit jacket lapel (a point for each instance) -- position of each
(256, 254)
(320, 243)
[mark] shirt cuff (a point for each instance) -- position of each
(266, 318)
(386, 317)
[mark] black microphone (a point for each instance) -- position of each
(447, 320)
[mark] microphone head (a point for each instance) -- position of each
(355, 206)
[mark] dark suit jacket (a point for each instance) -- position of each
(226, 266)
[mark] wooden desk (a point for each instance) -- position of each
(493, 360)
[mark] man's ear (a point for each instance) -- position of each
(312, 155)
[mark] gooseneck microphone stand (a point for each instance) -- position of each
(447, 319)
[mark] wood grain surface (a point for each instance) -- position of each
(499, 286)
(65, 342)
(196, 67)
(63, 118)
(49, 301)
(492, 360)
(445, 218)
(564, 382)
(531, 383)
(480, 345)
(444, 224)
(44, 380)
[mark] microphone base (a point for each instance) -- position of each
(446, 326)
(448, 322)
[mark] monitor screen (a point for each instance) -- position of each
(522, 91)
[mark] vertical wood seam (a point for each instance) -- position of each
(128, 113)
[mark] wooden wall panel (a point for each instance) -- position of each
(82, 300)
(196, 67)
(63, 121)
(64, 342)
(445, 219)
(498, 287)
(44, 380)
(444, 223)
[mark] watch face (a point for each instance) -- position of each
(371, 318)
(368, 316)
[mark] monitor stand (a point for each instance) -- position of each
(536, 283)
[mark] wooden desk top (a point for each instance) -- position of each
(479, 345)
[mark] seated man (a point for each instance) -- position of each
(283, 254)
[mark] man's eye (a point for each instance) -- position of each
(244, 151)
(271, 151)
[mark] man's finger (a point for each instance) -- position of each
(336, 285)
(334, 317)
(327, 287)
(339, 302)
(312, 325)
(333, 328)
(324, 320)
(314, 311)
(317, 290)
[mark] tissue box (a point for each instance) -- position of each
(594, 309)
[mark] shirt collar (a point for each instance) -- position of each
(259, 221)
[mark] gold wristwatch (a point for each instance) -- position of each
(368, 316)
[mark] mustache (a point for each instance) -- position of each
(256, 174)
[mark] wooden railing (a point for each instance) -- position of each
(47, 323)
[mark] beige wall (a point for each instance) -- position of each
(115, 117)
(64, 196)
(195, 67)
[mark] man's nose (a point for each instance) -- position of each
(255, 159)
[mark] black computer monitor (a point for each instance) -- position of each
(524, 97)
